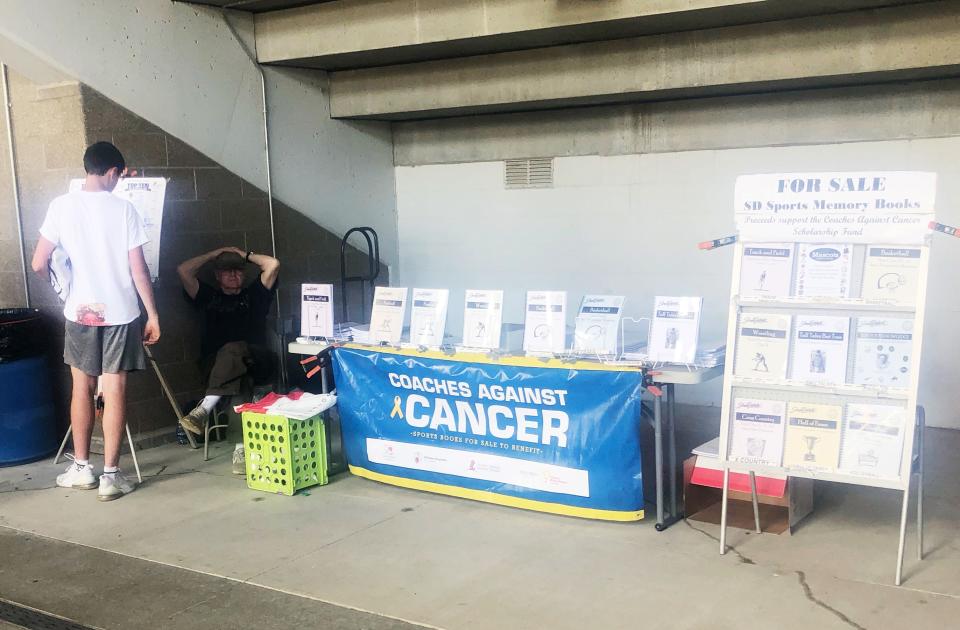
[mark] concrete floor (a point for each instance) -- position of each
(402, 555)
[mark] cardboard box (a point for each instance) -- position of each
(783, 502)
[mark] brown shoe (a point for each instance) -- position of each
(194, 421)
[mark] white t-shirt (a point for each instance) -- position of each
(97, 230)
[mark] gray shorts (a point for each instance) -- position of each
(97, 350)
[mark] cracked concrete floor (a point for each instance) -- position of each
(453, 563)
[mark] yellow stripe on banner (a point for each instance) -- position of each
(499, 499)
(482, 357)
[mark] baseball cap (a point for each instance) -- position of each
(229, 260)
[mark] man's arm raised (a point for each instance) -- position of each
(188, 269)
(269, 268)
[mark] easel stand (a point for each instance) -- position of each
(825, 331)
(916, 471)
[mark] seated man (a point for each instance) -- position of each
(233, 341)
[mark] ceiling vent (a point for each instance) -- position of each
(528, 173)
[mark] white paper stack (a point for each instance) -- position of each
(820, 345)
(710, 449)
(359, 333)
(387, 316)
(545, 325)
(711, 355)
(873, 440)
(674, 329)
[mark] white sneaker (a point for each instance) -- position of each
(114, 485)
(77, 476)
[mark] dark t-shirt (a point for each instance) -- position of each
(226, 318)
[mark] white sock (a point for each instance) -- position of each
(81, 462)
(209, 402)
(110, 470)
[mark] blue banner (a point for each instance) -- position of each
(561, 439)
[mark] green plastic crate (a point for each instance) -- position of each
(284, 455)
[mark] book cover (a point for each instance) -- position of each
(820, 345)
(883, 347)
(823, 270)
(891, 274)
(482, 318)
(389, 310)
(763, 344)
(674, 329)
(757, 431)
(598, 324)
(766, 269)
(812, 439)
(545, 324)
(316, 310)
(873, 440)
(428, 316)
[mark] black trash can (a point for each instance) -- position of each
(28, 427)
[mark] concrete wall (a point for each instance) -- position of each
(11, 269)
(630, 224)
(179, 67)
(207, 206)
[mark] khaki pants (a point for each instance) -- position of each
(233, 363)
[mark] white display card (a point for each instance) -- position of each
(820, 345)
(387, 316)
(674, 329)
(763, 342)
(316, 310)
(545, 324)
(891, 274)
(813, 436)
(823, 270)
(758, 427)
(428, 316)
(883, 347)
(598, 323)
(482, 318)
(766, 269)
(873, 440)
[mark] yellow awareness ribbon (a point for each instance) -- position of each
(396, 408)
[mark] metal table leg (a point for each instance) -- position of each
(658, 453)
(664, 520)
(672, 453)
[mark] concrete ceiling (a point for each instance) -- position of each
(350, 34)
(257, 6)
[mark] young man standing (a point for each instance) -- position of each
(103, 237)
